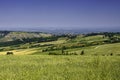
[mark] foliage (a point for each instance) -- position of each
(9, 53)
(82, 52)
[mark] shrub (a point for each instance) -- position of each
(52, 53)
(82, 52)
(9, 53)
(111, 54)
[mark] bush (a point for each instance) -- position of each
(82, 52)
(9, 53)
(111, 54)
(52, 53)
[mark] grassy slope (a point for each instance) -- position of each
(88, 39)
(105, 49)
(98, 49)
(59, 68)
(21, 51)
(46, 67)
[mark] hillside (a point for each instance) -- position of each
(6, 36)
(66, 44)
(95, 55)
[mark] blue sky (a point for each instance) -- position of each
(59, 14)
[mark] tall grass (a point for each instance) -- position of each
(104, 68)
(45, 67)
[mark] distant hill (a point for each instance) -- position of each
(17, 35)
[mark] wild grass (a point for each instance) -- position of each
(46, 67)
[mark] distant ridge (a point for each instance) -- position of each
(19, 35)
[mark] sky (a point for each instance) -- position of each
(59, 14)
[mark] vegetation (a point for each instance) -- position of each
(59, 68)
(66, 44)
(9, 53)
(92, 56)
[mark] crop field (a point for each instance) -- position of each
(44, 67)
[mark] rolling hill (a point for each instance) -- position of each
(43, 43)
(6, 36)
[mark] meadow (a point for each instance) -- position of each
(33, 61)
(45, 67)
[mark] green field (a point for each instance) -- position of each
(66, 57)
(105, 49)
(98, 44)
(45, 67)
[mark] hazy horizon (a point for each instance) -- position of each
(60, 14)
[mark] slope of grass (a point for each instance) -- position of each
(88, 38)
(105, 49)
(21, 51)
(59, 41)
(59, 68)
